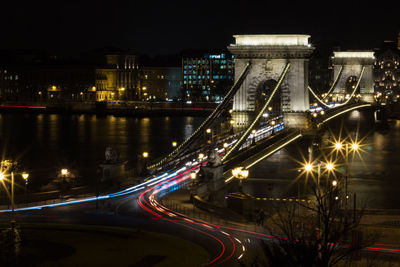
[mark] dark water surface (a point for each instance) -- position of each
(45, 143)
(374, 172)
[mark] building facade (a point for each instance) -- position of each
(118, 79)
(159, 83)
(207, 77)
(387, 73)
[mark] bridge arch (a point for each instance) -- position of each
(263, 92)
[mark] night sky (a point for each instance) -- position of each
(162, 27)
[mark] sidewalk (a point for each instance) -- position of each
(387, 225)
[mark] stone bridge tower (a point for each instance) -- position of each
(269, 55)
(350, 64)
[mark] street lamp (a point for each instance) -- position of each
(353, 146)
(174, 144)
(253, 132)
(64, 172)
(201, 156)
(241, 174)
(145, 155)
(329, 166)
(25, 176)
(308, 167)
(193, 175)
(9, 165)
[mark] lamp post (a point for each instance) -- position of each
(201, 157)
(10, 166)
(353, 146)
(64, 173)
(253, 133)
(241, 174)
(145, 156)
(25, 176)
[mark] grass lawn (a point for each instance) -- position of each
(81, 245)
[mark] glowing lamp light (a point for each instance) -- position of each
(315, 115)
(240, 173)
(193, 175)
(308, 167)
(201, 156)
(174, 144)
(273, 123)
(232, 121)
(1, 176)
(334, 183)
(329, 166)
(226, 145)
(208, 130)
(269, 108)
(245, 173)
(64, 171)
(338, 145)
(25, 175)
(253, 131)
(145, 154)
(354, 146)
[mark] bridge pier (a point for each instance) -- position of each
(297, 120)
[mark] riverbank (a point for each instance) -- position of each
(116, 108)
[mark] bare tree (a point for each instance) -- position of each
(322, 234)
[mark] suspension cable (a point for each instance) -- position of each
(334, 82)
(248, 130)
(216, 112)
(344, 103)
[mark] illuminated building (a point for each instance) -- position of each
(159, 83)
(206, 77)
(118, 79)
(387, 73)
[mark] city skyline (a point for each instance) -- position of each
(157, 27)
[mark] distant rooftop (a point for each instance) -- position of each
(271, 40)
(354, 54)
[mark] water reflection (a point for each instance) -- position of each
(46, 143)
(373, 175)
